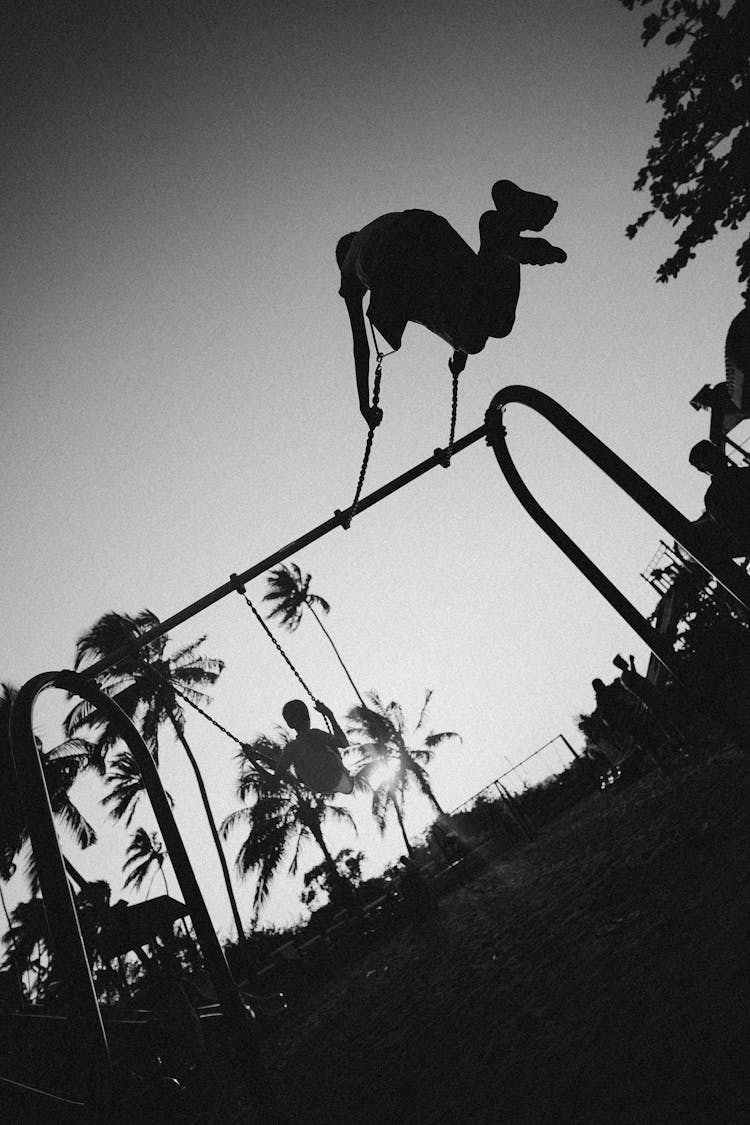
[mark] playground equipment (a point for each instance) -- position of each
(103, 1095)
(444, 455)
(103, 1091)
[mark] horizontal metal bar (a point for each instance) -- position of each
(283, 553)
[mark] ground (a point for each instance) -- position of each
(597, 975)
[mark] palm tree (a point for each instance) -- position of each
(145, 684)
(11, 960)
(318, 879)
(28, 934)
(125, 787)
(393, 758)
(145, 851)
(289, 589)
(148, 686)
(280, 817)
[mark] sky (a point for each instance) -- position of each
(177, 382)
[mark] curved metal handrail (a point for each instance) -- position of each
(734, 580)
(70, 952)
(61, 912)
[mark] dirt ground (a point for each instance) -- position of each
(600, 974)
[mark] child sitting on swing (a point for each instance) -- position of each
(314, 753)
(417, 268)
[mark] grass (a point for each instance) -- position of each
(598, 975)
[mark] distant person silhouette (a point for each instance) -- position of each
(417, 268)
(727, 499)
(641, 688)
(314, 753)
(634, 682)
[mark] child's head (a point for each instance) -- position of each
(342, 247)
(296, 715)
(707, 457)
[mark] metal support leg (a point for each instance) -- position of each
(734, 580)
(61, 912)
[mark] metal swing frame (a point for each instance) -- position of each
(65, 931)
(103, 1094)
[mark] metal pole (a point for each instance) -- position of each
(59, 903)
(738, 449)
(574, 753)
(71, 960)
(337, 520)
(730, 576)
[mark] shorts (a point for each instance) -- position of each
(421, 270)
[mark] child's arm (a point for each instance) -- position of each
(339, 737)
(286, 759)
(371, 414)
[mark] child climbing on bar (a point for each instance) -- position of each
(314, 753)
(417, 268)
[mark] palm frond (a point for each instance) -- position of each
(232, 819)
(320, 603)
(31, 871)
(423, 712)
(288, 588)
(302, 835)
(396, 715)
(73, 819)
(110, 633)
(434, 738)
(342, 816)
(80, 716)
(145, 851)
(138, 874)
(125, 787)
(72, 750)
(188, 650)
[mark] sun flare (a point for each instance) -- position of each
(383, 774)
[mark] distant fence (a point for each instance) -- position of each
(546, 762)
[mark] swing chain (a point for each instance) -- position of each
(214, 722)
(240, 588)
(454, 414)
(443, 456)
(346, 519)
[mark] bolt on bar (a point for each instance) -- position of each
(438, 458)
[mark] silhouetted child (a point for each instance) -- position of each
(314, 753)
(417, 268)
(727, 498)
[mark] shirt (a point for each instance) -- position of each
(355, 279)
(316, 760)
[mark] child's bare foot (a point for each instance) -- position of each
(535, 252)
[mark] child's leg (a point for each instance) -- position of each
(501, 275)
(346, 783)
(387, 318)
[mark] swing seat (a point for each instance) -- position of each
(325, 777)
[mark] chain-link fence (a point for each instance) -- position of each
(547, 762)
